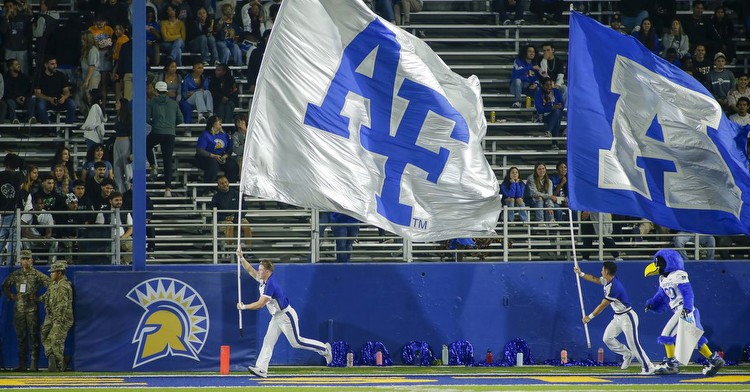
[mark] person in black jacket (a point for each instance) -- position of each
(256, 57)
(224, 92)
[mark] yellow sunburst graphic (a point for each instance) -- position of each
(175, 321)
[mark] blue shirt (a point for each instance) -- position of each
(271, 289)
(218, 144)
(614, 291)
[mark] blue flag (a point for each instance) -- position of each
(646, 139)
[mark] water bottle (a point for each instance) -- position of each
(445, 355)
(564, 356)
(350, 359)
(493, 119)
(488, 358)
(379, 358)
(720, 353)
(519, 359)
(600, 355)
(418, 358)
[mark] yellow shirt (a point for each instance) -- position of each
(171, 31)
(121, 40)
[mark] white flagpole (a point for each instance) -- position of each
(239, 252)
(578, 278)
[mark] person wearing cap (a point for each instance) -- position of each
(163, 114)
(22, 286)
(70, 221)
(58, 304)
(720, 81)
(37, 226)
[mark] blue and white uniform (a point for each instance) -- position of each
(284, 319)
(624, 321)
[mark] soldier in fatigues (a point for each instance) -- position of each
(58, 303)
(27, 283)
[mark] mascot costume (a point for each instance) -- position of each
(676, 294)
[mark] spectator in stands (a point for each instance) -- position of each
(95, 154)
(213, 152)
(647, 36)
(345, 229)
(18, 93)
(227, 201)
(195, 92)
(121, 150)
(123, 72)
(633, 12)
(677, 39)
(52, 91)
(84, 202)
(63, 183)
(253, 20)
(540, 192)
(687, 65)
(95, 180)
(741, 117)
(256, 57)
(172, 79)
(63, 157)
(184, 10)
(153, 37)
(740, 90)
(68, 235)
(604, 230)
(646, 227)
(525, 75)
(44, 29)
(30, 185)
(701, 63)
(615, 23)
(548, 11)
(115, 12)
(407, 7)
(121, 38)
(127, 205)
(52, 200)
(228, 36)
(89, 65)
(662, 13)
(725, 30)
(223, 92)
(3, 105)
(720, 81)
(15, 30)
(200, 35)
(103, 37)
(163, 115)
(37, 226)
(173, 35)
(93, 127)
(512, 189)
(672, 58)
(560, 189)
(238, 138)
(122, 222)
(699, 28)
(554, 68)
(708, 242)
(502, 6)
(549, 104)
(10, 200)
(100, 200)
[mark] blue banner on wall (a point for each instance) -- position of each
(162, 321)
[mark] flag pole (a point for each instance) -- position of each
(239, 254)
(578, 278)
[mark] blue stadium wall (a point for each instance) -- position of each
(487, 304)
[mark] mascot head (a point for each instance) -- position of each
(665, 262)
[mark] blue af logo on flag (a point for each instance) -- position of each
(368, 73)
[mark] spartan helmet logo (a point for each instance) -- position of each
(175, 321)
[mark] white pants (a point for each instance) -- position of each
(287, 322)
(626, 323)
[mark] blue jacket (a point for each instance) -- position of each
(524, 71)
(513, 189)
(189, 85)
(546, 107)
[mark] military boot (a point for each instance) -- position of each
(52, 367)
(21, 363)
(34, 364)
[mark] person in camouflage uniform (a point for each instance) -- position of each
(58, 303)
(26, 282)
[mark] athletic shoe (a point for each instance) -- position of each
(167, 193)
(328, 354)
(669, 366)
(645, 372)
(32, 120)
(516, 105)
(260, 373)
(714, 364)
(519, 22)
(507, 22)
(626, 360)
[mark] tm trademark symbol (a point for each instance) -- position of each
(419, 223)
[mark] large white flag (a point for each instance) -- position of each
(354, 115)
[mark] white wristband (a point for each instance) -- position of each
(582, 274)
(591, 316)
(243, 307)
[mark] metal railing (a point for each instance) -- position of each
(298, 235)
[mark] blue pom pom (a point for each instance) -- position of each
(408, 353)
(460, 352)
(339, 350)
(367, 354)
